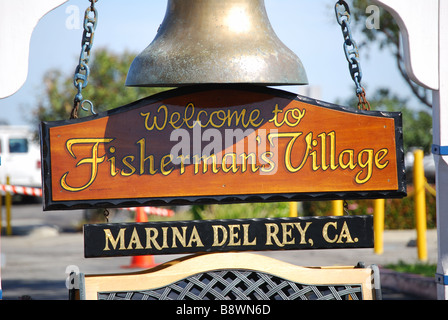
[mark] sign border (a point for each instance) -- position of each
(50, 204)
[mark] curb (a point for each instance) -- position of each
(411, 284)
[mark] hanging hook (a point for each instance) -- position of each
(106, 215)
(91, 106)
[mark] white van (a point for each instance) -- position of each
(20, 157)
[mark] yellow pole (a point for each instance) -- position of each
(378, 225)
(420, 205)
(1, 212)
(8, 202)
(338, 207)
(293, 209)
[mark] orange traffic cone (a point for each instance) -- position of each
(141, 261)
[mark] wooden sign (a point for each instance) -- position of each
(221, 144)
(128, 239)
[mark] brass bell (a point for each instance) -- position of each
(216, 42)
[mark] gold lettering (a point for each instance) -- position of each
(93, 161)
(246, 236)
(239, 117)
(146, 115)
(151, 237)
(293, 136)
(135, 239)
(204, 159)
(295, 113)
(325, 232)
(113, 168)
(302, 231)
(287, 229)
(216, 119)
(217, 113)
(253, 119)
(233, 235)
(271, 234)
(155, 119)
(333, 164)
(276, 111)
(110, 238)
(323, 154)
(350, 163)
(181, 237)
(379, 157)
(150, 158)
(216, 242)
(182, 162)
(233, 167)
(165, 237)
(265, 157)
(173, 122)
(245, 160)
(195, 238)
(188, 118)
(363, 164)
(314, 165)
(126, 161)
(345, 233)
(164, 163)
(203, 124)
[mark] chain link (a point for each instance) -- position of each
(106, 214)
(82, 71)
(342, 11)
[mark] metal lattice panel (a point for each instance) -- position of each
(239, 285)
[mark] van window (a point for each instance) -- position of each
(18, 145)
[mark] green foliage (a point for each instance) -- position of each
(240, 211)
(417, 125)
(424, 269)
(387, 37)
(399, 213)
(106, 87)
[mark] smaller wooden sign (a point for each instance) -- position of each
(178, 237)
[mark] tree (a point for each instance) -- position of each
(417, 125)
(387, 36)
(106, 88)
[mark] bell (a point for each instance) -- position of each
(216, 42)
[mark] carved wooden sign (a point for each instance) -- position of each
(221, 144)
(174, 237)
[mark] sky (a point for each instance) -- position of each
(307, 27)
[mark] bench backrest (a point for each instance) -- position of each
(234, 276)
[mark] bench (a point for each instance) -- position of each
(233, 276)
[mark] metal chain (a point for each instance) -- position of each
(342, 11)
(345, 205)
(82, 71)
(106, 214)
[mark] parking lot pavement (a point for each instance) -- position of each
(36, 263)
